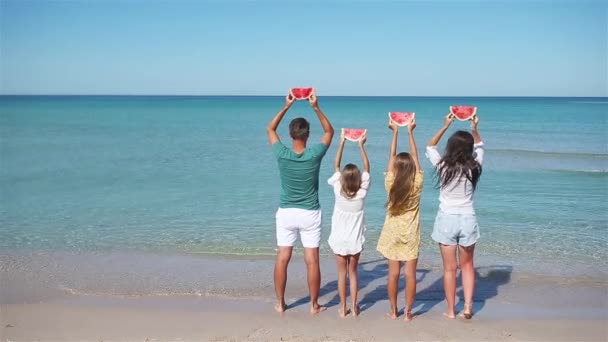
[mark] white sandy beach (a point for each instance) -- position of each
(103, 319)
(118, 296)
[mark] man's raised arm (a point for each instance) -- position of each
(271, 129)
(327, 128)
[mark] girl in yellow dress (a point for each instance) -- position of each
(400, 237)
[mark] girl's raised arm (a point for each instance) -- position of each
(413, 149)
(364, 154)
(474, 131)
(393, 151)
(478, 147)
(339, 153)
(446, 124)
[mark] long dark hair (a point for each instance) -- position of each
(458, 160)
(400, 195)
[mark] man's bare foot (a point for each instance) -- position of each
(280, 307)
(343, 312)
(392, 314)
(356, 310)
(449, 315)
(316, 308)
(408, 316)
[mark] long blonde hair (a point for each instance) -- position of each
(400, 195)
(350, 179)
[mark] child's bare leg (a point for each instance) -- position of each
(410, 287)
(448, 254)
(353, 279)
(342, 262)
(311, 257)
(280, 275)
(467, 270)
(392, 286)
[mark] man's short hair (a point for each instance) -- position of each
(299, 129)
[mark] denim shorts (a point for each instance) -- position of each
(455, 229)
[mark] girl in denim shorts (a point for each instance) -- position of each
(456, 229)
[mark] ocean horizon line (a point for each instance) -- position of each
(282, 95)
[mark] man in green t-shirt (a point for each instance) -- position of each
(299, 210)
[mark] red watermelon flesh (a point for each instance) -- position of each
(463, 113)
(301, 93)
(401, 118)
(354, 134)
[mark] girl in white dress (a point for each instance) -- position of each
(348, 222)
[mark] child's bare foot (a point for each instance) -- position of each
(408, 316)
(343, 312)
(449, 315)
(467, 313)
(356, 310)
(392, 314)
(316, 308)
(280, 307)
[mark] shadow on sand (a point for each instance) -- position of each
(488, 280)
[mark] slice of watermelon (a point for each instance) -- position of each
(401, 118)
(354, 134)
(301, 93)
(463, 113)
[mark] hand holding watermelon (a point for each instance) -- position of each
(362, 141)
(448, 120)
(411, 126)
(393, 126)
(342, 137)
(474, 122)
(289, 100)
(313, 100)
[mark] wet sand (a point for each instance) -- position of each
(135, 296)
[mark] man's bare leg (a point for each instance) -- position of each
(311, 257)
(280, 275)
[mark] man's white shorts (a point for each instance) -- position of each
(290, 221)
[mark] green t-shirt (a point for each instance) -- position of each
(299, 175)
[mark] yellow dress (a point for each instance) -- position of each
(400, 236)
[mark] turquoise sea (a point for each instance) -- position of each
(195, 174)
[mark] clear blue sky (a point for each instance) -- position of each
(502, 48)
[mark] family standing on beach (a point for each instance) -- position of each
(455, 229)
